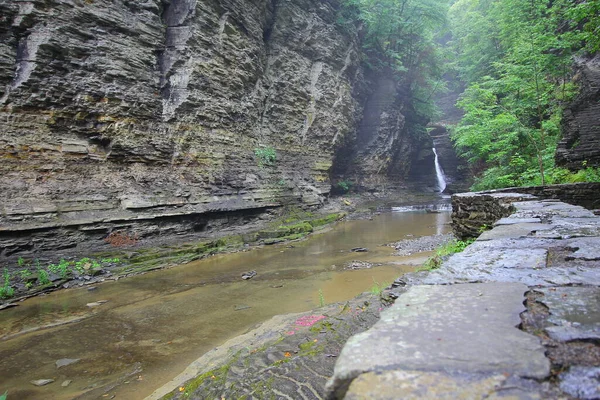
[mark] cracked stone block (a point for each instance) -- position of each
(455, 328)
(574, 310)
(581, 382)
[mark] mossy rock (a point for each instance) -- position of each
(326, 220)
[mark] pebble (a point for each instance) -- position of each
(359, 249)
(66, 383)
(63, 362)
(248, 275)
(96, 303)
(42, 382)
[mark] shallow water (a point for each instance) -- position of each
(152, 326)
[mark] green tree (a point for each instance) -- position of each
(400, 37)
(513, 102)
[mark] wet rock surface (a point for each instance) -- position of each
(540, 253)
(356, 265)
(582, 382)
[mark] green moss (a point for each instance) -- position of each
(306, 346)
(216, 375)
(322, 326)
(327, 219)
(262, 388)
(280, 362)
(312, 350)
(295, 236)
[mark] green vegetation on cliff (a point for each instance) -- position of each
(400, 36)
(516, 59)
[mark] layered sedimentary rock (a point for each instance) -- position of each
(580, 145)
(146, 115)
(390, 143)
(157, 118)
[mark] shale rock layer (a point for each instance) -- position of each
(156, 117)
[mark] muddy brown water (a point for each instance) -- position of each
(152, 326)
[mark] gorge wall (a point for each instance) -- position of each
(580, 145)
(157, 119)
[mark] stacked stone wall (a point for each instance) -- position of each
(474, 212)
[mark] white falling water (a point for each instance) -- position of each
(439, 173)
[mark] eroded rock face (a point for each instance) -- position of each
(391, 145)
(580, 145)
(146, 116)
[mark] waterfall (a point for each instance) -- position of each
(439, 173)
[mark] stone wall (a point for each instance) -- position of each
(473, 211)
(585, 194)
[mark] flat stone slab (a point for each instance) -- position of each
(536, 209)
(459, 328)
(587, 249)
(574, 310)
(512, 221)
(523, 260)
(522, 265)
(417, 385)
(516, 230)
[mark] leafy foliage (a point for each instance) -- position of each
(344, 186)
(400, 37)
(454, 246)
(6, 291)
(378, 288)
(64, 269)
(515, 57)
(265, 155)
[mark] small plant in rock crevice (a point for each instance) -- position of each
(343, 186)
(266, 156)
(6, 291)
(61, 269)
(321, 298)
(43, 276)
(452, 247)
(377, 288)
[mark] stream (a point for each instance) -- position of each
(135, 334)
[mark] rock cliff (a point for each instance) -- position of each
(580, 145)
(156, 118)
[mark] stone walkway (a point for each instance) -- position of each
(516, 315)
